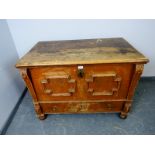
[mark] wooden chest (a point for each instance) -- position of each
(82, 76)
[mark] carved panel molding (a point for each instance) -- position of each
(114, 90)
(46, 81)
(73, 107)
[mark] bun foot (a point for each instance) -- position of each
(42, 117)
(123, 116)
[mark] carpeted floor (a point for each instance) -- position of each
(141, 119)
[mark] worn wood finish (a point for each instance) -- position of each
(82, 76)
(58, 108)
(26, 78)
(136, 76)
(114, 50)
(82, 88)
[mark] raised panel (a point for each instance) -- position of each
(54, 83)
(107, 81)
(58, 84)
(111, 78)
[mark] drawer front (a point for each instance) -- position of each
(49, 108)
(82, 82)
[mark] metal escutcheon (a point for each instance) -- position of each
(80, 71)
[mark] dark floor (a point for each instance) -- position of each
(141, 119)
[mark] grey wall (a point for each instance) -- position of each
(11, 85)
(140, 33)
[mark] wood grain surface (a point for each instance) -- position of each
(82, 76)
(90, 51)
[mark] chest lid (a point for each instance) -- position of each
(87, 51)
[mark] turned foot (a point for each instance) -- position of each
(123, 116)
(42, 117)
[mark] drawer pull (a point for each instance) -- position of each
(54, 108)
(109, 106)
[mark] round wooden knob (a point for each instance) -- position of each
(54, 108)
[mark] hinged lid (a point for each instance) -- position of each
(88, 51)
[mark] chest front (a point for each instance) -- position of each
(87, 76)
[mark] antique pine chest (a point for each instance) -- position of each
(82, 76)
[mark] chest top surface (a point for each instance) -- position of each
(87, 51)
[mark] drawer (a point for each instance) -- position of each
(82, 82)
(49, 108)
